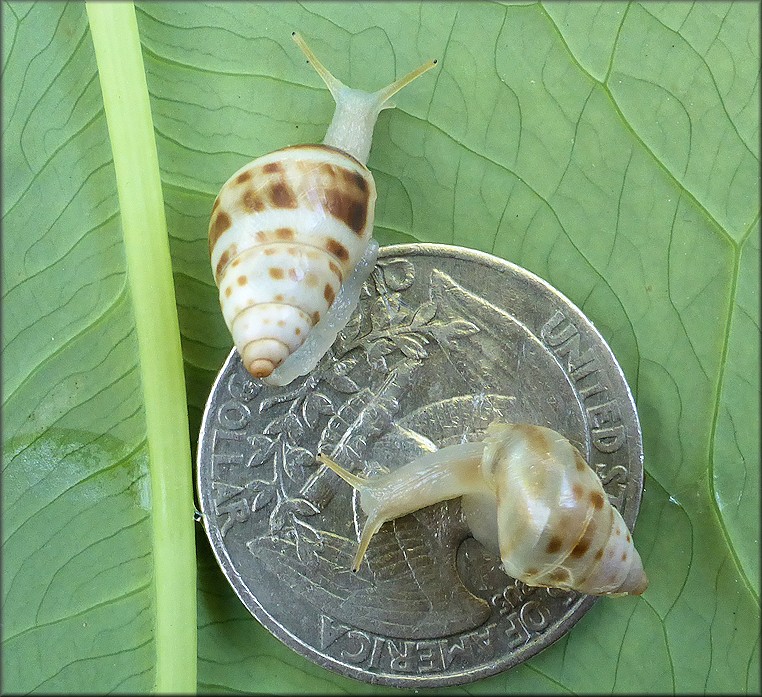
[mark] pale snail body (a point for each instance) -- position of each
(290, 238)
(529, 496)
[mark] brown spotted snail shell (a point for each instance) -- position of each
(290, 237)
(527, 495)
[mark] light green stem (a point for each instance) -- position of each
(114, 30)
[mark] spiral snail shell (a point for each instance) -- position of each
(529, 495)
(290, 237)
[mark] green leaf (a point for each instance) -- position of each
(87, 551)
(611, 148)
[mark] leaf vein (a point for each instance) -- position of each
(717, 401)
(48, 87)
(702, 59)
(81, 613)
(105, 316)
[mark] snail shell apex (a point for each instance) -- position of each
(286, 230)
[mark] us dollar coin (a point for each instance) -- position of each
(444, 341)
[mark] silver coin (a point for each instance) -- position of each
(444, 341)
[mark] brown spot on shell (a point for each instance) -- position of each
(278, 298)
(624, 556)
(535, 438)
(225, 257)
(328, 293)
(252, 202)
(579, 461)
(628, 537)
(221, 223)
(284, 233)
(261, 236)
(269, 251)
(554, 544)
(357, 180)
(337, 249)
(577, 492)
(617, 531)
(585, 541)
(531, 571)
(235, 262)
(354, 183)
(281, 323)
(228, 292)
(243, 177)
(559, 575)
(347, 209)
(297, 331)
(315, 318)
(598, 554)
(276, 273)
(580, 548)
(596, 499)
(335, 269)
(242, 280)
(325, 170)
(358, 212)
(272, 168)
(281, 196)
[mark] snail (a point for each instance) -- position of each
(528, 495)
(290, 237)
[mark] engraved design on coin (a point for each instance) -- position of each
(425, 363)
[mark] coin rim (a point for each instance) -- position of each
(528, 650)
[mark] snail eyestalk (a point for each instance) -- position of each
(386, 93)
(351, 129)
(372, 525)
(331, 82)
(351, 479)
